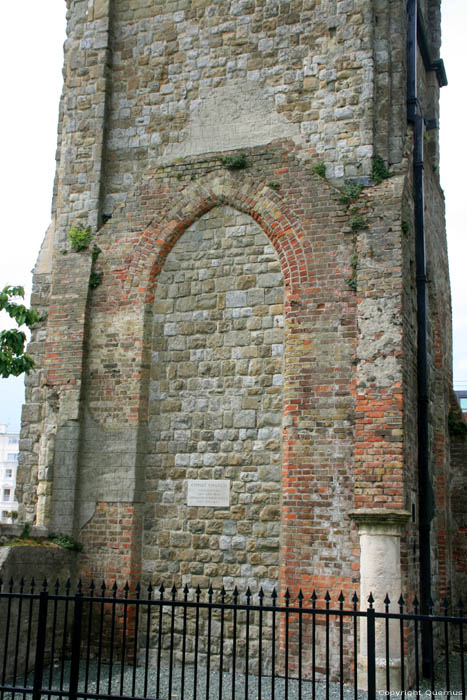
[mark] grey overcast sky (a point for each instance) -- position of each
(31, 47)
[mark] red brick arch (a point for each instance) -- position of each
(258, 200)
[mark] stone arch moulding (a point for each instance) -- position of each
(265, 206)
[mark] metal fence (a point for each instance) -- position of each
(197, 645)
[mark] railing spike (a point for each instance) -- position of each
(126, 589)
(67, 586)
(138, 590)
(314, 598)
(261, 595)
(21, 585)
(79, 587)
(274, 595)
(445, 605)
(161, 590)
(92, 587)
(341, 599)
(327, 598)
(114, 589)
(44, 585)
(415, 604)
(11, 583)
(1, 584)
(460, 605)
(185, 592)
(173, 591)
(300, 596)
(103, 588)
(355, 600)
(33, 585)
(287, 596)
(387, 600)
(210, 592)
(371, 600)
(401, 601)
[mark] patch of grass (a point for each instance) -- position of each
(66, 542)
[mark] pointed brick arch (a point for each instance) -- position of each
(264, 205)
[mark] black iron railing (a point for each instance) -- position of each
(198, 645)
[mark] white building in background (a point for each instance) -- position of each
(9, 449)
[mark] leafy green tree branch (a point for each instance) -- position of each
(13, 358)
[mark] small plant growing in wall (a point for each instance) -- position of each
(319, 168)
(358, 223)
(352, 192)
(379, 171)
(352, 281)
(95, 279)
(80, 237)
(236, 161)
(405, 226)
(66, 542)
(456, 425)
(96, 251)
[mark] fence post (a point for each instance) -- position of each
(40, 645)
(371, 653)
(76, 645)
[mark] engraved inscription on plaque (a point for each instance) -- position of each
(208, 492)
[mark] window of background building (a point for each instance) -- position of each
(12, 441)
(12, 456)
(6, 494)
(4, 514)
(8, 473)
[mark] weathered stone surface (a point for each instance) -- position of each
(204, 403)
(245, 327)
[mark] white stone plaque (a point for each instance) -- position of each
(208, 492)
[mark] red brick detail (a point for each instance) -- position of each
(266, 207)
(112, 544)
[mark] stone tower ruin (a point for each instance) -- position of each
(246, 378)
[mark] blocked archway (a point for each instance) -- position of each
(215, 405)
(260, 202)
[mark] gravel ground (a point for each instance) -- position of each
(118, 689)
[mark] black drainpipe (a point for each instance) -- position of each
(425, 489)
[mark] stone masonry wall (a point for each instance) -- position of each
(156, 94)
(215, 407)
